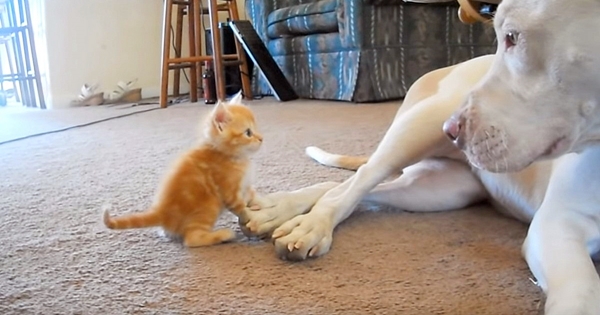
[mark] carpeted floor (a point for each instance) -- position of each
(56, 257)
(18, 123)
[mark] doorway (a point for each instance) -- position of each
(23, 57)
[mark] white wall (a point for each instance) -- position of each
(103, 41)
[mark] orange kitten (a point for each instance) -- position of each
(211, 177)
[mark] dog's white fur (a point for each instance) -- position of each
(526, 122)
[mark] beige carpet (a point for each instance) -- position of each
(17, 123)
(57, 258)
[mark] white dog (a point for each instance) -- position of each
(524, 125)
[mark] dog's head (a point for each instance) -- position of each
(541, 96)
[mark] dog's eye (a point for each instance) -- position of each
(511, 39)
(248, 133)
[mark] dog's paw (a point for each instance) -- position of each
(266, 215)
(304, 236)
(263, 222)
(261, 202)
(279, 207)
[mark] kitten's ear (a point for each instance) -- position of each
(236, 99)
(221, 115)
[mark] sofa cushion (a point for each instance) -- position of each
(307, 44)
(412, 2)
(438, 1)
(305, 19)
(428, 1)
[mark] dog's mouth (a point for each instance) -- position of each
(500, 165)
(556, 148)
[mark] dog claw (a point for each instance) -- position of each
(290, 247)
(277, 234)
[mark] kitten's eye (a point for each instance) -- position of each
(510, 39)
(248, 133)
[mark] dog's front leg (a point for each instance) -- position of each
(564, 233)
(413, 136)
(556, 252)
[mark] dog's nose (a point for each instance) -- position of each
(453, 127)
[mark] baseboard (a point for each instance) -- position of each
(149, 92)
(54, 101)
(64, 100)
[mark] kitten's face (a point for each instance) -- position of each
(234, 129)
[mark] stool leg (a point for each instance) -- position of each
(245, 75)
(213, 13)
(166, 40)
(178, 40)
(193, 6)
(198, 26)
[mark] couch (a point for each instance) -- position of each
(362, 50)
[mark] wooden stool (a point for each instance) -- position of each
(177, 63)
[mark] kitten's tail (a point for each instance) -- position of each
(148, 218)
(335, 160)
